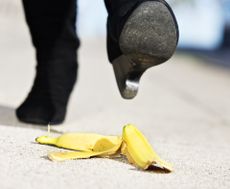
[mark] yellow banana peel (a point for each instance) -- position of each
(139, 151)
(132, 144)
(86, 142)
(62, 156)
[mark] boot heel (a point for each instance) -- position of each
(127, 75)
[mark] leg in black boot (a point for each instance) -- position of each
(140, 34)
(52, 27)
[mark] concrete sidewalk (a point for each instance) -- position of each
(183, 108)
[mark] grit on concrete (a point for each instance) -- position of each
(183, 108)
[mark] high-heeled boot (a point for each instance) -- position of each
(52, 27)
(140, 34)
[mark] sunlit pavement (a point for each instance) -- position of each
(183, 108)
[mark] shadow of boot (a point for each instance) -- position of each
(8, 118)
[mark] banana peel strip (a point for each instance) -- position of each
(132, 144)
(86, 142)
(63, 156)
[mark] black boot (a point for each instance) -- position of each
(140, 34)
(52, 27)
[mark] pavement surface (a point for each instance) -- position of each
(183, 108)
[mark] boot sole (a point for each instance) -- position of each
(149, 37)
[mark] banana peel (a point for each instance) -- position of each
(139, 151)
(131, 144)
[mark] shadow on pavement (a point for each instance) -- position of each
(8, 118)
(151, 169)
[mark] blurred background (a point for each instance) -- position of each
(204, 24)
(204, 43)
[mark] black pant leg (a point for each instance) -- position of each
(52, 22)
(113, 6)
